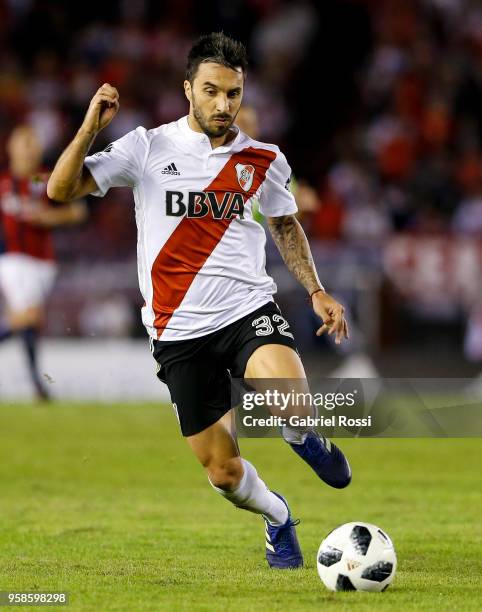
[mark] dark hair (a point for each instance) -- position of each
(219, 48)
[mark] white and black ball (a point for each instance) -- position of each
(356, 557)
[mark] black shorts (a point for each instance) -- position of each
(198, 372)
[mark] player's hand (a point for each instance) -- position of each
(332, 315)
(35, 214)
(102, 109)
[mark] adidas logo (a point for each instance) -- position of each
(171, 169)
(352, 564)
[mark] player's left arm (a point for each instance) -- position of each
(71, 213)
(296, 253)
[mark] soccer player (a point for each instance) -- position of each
(27, 264)
(209, 307)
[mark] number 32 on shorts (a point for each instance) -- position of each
(264, 325)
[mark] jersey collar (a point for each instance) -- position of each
(201, 139)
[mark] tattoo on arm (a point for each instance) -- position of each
(295, 250)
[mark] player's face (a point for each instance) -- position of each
(215, 96)
(24, 149)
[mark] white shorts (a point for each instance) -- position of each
(25, 281)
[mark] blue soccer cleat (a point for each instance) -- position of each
(326, 459)
(282, 548)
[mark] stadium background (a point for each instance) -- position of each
(377, 105)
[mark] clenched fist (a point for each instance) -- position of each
(102, 109)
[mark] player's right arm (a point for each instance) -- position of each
(70, 179)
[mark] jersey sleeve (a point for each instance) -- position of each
(276, 199)
(121, 163)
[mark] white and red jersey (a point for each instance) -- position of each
(201, 255)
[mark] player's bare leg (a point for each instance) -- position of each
(236, 479)
(30, 317)
(217, 450)
(27, 324)
(275, 361)
(280, 362)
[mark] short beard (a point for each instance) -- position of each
(211, 133)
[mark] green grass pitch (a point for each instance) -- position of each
(107, 502)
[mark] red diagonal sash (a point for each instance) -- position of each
(194, 239)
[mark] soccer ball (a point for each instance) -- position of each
(356, 557)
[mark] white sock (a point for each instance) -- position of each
(294, 435)
(253, 495)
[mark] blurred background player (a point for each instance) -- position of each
(306, 197)
(27, 260)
